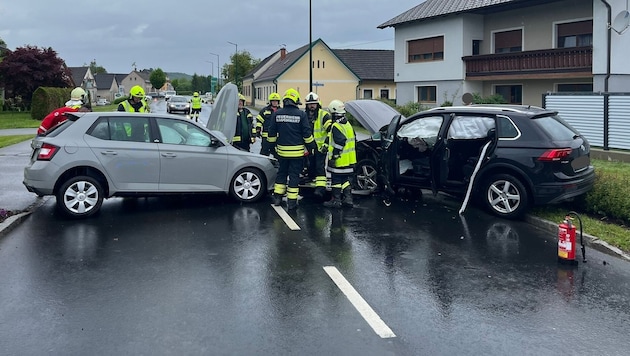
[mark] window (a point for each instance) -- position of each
(508, 41)
(384, 94)
(513, 94)
(476, 47)
(367, 94)
(182, 133)
(576, 87)
(506, 128)
(132, 129)
(575, 34)
(427, 49)
(427, 94)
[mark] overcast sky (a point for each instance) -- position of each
(178, 36)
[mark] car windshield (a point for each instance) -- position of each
(556, 127)
(178, 99)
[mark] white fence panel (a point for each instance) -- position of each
(584, 112)
(619, 122)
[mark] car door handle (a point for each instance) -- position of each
(169, 155)
(109, 153)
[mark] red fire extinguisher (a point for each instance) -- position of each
(567, 240)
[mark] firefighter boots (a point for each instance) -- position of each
(292, 204)
(277, 199)
(347, 197)
(335, 201)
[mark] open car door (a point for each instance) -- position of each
(388, 159)
(223, 114)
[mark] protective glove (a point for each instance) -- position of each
(324, 148)
(311, 148)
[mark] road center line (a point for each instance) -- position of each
(287, 219)
(375, 321)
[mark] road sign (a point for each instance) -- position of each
(318, 84)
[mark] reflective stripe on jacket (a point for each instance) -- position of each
(343, 143)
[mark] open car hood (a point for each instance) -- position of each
(223, 114)
(371, 114)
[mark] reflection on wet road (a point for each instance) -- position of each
(204, 274)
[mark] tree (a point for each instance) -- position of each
(241, 61)
(96, 69)
(157, 78)
(28, 68)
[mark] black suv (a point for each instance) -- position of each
(504, 157)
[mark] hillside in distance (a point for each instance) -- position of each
(178, 75)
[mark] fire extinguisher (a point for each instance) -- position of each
(567, 240)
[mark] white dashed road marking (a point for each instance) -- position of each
(287, 219)
(375, 321)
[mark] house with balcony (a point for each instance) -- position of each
(515, 48)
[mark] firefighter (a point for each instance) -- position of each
(245, 132)
(292, 137)
(195, 106)
(136, 101)
(78, 102)
(341, 156)
(264, 119)
(320, 122)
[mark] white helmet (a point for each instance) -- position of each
(336, 107)
(77, 94)
(312, 98)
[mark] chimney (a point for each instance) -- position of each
(283, 53)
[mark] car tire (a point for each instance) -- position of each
(365, 176)
(504, 195)
(248, 185)
(80, 197)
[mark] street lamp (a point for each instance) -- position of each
(235, 62)
(211, 75)
(218, 71)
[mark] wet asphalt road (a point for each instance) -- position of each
(206, 275)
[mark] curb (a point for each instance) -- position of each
(589, 240)
(12, 221)
(7, 225)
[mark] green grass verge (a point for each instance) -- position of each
(17, 120)
(11, 140)
(615, 234)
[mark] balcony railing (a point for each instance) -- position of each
(557, 60)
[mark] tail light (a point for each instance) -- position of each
(555, 155)
(46, 152)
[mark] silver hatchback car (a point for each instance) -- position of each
(98, 155)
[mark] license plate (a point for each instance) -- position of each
(580, 163)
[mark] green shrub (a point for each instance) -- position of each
(47, 99)
(493, 99)
(609, 196)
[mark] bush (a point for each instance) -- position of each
(47, 99)
(493, 99)
(610, 193)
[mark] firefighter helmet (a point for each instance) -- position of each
(241, 97)
(336, 107)
(293, 95)
(274, 96)
(312, 98)
(196, 94)
(137, 92)
(77, 94)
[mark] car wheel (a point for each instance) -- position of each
(365, 176)
(505, 196)
(80, 197)
(248, 185)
